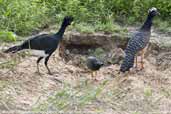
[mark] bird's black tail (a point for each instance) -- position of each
(13, 49)
(128, 62)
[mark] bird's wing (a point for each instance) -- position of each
(137, 42)
(40, 42)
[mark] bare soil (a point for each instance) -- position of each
(139, 92)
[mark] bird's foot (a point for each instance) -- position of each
(142, 65)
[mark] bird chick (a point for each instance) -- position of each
(94, 65)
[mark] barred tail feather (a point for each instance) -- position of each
(13, 49)
(128, 62)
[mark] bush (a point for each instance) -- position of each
(22, 16)
(7, 36)
(26, 16)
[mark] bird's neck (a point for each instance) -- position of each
(61, 31)
(147, 24)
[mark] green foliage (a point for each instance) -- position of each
(84, 28)
(136, 113)
(26, 16)
(9, 64)
(22, 16)
(70, 97)
(7, 36)
(163, 26)
(99, 53)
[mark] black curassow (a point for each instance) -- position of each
(138, 42)
(43, 45)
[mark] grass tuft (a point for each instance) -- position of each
(148, 92)
(7, 36)
(70, 97)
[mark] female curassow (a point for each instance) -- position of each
(43, 45)
(138, 43)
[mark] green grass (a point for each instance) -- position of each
(98, 52)
(163, 26)
(84, 28)
(147, 92)
(12, 61)
(108, 27)
(27, 17)
(7, 36)
(3, 84)
(8, 64)
(136, 113)
(6, 99)
(69, 97)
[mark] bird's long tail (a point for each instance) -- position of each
(13, 49)
(128, 62)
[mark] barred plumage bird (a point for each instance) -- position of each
(138, 43)
(43, 45)
(94, 64)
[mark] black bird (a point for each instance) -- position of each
(43, 45)
(138, 42)
(94, 64)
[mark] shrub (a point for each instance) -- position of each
(26, 16)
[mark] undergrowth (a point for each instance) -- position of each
(69, 97)
(25, 17)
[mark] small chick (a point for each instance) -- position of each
(94, 64)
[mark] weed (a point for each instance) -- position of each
(69, 97)
(84, 28)
(7, 36)
(25, 16)
(148, 92)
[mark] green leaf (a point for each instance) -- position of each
(7, 36)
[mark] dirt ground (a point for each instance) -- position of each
(71, 88)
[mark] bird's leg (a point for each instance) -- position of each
(92, 74)
(136, 61)
(142, 61)
(38, 60)
(46, 61)
(142, 58)
(95, 74)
